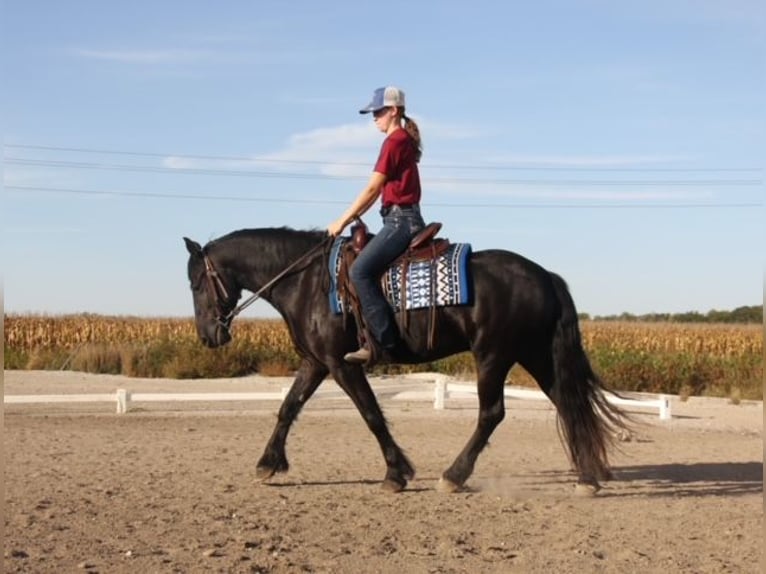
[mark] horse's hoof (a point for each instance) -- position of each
(392, 486)
(586, 489)
(447, 486)
(606, 475)
(263, 473)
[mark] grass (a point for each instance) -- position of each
(680, 359)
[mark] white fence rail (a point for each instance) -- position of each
(125, 398)
(443, 390)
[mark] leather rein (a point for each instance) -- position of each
(219, 293)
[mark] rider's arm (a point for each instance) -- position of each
(366, 198)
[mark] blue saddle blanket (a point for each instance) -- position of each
(447, 277)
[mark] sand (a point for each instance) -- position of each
(170, 487)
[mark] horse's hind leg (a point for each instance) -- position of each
(491, 379)
(273, 460)
(352, 380)
(578, 434)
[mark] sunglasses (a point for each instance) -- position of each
(379, 113)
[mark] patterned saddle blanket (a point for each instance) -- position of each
(444, 281)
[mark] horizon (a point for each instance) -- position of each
(591, 316)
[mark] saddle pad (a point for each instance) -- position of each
(447, 276)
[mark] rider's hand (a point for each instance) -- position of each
(335, 228)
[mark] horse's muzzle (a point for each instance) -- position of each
(215, 336)
(222, 335)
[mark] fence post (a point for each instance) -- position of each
(664, 408)
(440, 391)
(123, 401)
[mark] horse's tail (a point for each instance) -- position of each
(587, 421)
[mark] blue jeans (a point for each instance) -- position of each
(399, 226)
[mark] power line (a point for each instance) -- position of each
(452, 180)
(206, 197)
(170, 170)
(155, 195)
(180, 156)
(366, 164)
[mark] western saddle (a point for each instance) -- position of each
(424, 246)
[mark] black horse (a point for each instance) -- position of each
(520, 313)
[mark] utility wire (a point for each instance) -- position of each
(320, 176)
(303, 201)
(349, 163)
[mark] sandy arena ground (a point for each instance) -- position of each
(170, 488)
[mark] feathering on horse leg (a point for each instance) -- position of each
(274, 459)
(353, 381)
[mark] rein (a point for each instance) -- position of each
(218, 285)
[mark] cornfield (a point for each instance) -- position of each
(676, 358)
(718, 340)
(679, 358)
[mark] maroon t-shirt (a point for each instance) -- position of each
(397, 161)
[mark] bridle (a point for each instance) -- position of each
(220, 295)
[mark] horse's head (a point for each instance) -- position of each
(214, 295)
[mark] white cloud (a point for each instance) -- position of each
(351, 149)
(29, 177)
(449, 132)
(347, 150)
(143, 56)
(540, 192)
(332, 139)
(575, 161)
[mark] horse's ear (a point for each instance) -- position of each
(193, 247)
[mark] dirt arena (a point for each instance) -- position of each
(170, 488)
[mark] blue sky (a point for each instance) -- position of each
(620, 144)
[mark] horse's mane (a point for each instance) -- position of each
(275, 234)
(274, 246)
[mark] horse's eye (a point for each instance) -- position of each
(196, 285)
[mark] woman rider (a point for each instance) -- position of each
(396, 180)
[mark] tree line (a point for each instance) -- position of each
(746, 314)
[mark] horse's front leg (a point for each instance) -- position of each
(273, 460)
(353, 381)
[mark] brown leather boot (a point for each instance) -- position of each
(362, 355)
